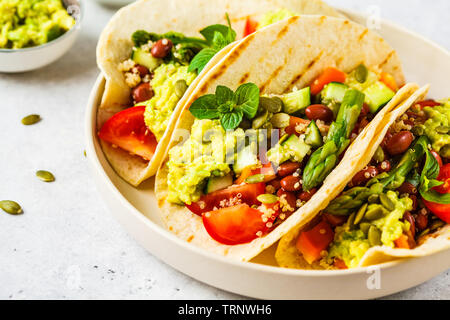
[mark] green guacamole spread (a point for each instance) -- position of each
(28, 23)
(159, 109)
(274, 16)
(351, 245)
(437, 127)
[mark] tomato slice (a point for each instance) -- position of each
(236, 194)
(250, 26)
(428, 103)
(442, 211)
(235, 225)
(127, 130)
(389, 81)
(329, 75)
(311, 243)
(267, 170)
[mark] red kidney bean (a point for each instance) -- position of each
(288, 168)
(364, 176)
(408, 188)
(387, 137)
(142, 92)
(307, 195)
(421, 222)
(143, 71)
(276, 184)
(438, 158)
(415, 202)
(399, 143)
(290, 197)
(291, 183)
(319, 112)
(161, 48)
(408, 217)
(384, 166)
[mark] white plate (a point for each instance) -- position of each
(424, 62)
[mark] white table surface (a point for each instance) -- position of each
(66, 245)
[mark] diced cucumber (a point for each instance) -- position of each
(333, 92)
(218, 183)
(145, 59)
(377, 96)
(298, 147)
(245, 158)
(313, 136)
(297, 101)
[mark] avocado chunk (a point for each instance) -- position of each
(313, 136)
(145, 59)
(245, 158)
(377, 96)
(296, 101)
(293, 148)
(218, 183)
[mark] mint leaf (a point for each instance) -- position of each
(247, 98)
(231, 120)
(205, 107)
(219, 41)
(201, 59)
(223, 95)
(210, 31)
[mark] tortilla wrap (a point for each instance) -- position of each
(273, 61)
(115, 46)
(287, 254)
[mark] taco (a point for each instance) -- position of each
(253, 147)
(397, 206)
(148, 63)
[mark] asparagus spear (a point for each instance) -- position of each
(353, 199)
(324, 159)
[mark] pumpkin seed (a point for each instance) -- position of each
(31, 119)
(272, 105)
(386, 202)
(260, 121)
(379, 155)
(424, 233)
(374, 213)
(361, 73)
(373, 198)
(442, 129)
(11, 207)
(180, 88)
(280, 120)
(364, 226)
(374, 236)
(267, 198)
(361, 213)
(351, 221)
(436, 225)
(45, 176)
(257, 178)
(84, 153)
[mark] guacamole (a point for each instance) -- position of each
(274, 16)
(351, 245)
(28, 23)
(159, 109)
(192, 163)
(437, 127)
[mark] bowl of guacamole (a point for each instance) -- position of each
(34, 33)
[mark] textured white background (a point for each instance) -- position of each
(67, 245)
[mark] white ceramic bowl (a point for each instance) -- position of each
(27, 59)
(137, 210)
(115, 2)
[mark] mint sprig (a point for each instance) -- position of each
(228, 106)
(217, 37)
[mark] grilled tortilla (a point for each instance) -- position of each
(287, 54)
(287, 254)
(115, 46)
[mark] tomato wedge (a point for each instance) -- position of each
(293, 123)
(311, 243)
(403, 242)
(245, 193)
(328, 76)
(127, 130)
(267, 170)
(428, 103)
(250, 26)
(238, 224)
(335, 221)
(441, 210)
